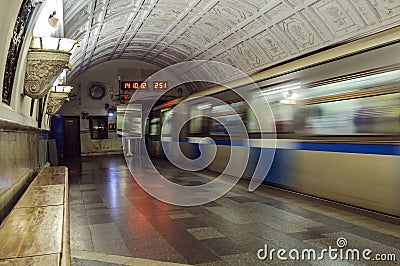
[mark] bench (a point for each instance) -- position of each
(36, 232)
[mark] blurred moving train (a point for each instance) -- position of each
(337, 127)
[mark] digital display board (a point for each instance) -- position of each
(126, 97)
(133, 85)
(160, 85)
(140, 85)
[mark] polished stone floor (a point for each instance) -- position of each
(114, 222)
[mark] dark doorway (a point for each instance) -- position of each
(72, 140)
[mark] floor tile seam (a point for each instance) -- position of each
(280, 218)
(173, 244)
(261, 237)
(372, 228)
(346, 209)
(29, 256)
(110, 258)
(364, 223)
(208, 248)
(350, 224)
(90, 233)
(368, 214)
(366, 236)
(280, 232)
(39, 206)
(204, 242)
(318, 220)
(259, 217)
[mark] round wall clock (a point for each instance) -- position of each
(97, 91)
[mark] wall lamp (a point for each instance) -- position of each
(53, 21)
(110, 110)
(47, 58)
(57, 97)
(85, 115)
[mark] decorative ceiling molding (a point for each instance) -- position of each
(248, 34)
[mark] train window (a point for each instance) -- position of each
(147, 127)
(252, 123)
(166, 122)
(378, 114)
(353, 85)
(196, 124)
(282, 102)
(223, 112)
(154, 126)
(368, 105)
(229, 115)
(284, 116)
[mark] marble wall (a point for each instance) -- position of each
(23, 151)
(94, 147)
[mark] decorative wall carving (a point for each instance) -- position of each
(43, 67)
(15, 49)
(55, 101)
(250, 34)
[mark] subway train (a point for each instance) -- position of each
(337, 127)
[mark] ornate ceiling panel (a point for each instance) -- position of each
(248, 34)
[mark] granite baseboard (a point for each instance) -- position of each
(103, 153)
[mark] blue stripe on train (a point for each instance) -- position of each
(281, 168)
(351, 148)
(380, 149)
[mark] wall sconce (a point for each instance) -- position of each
(85, 115)
(53, 21)
(47, 58)
(57, 97)
(110, 110)
(61, 88)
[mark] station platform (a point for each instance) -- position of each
(114, 222)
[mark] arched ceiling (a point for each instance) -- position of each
(248, 34)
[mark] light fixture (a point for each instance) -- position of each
(52, 43)
(111, 112)
(57, 97)
(61, 88)
(47, 58)
(282, 89)
(53, 21)
(289, 98)
(204, 106)
(85, 115)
